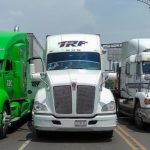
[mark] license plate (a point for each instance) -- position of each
(80, 123)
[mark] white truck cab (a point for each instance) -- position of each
(73, 98)
(135, 81)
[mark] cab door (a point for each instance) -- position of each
(127, 103)
(1, 74)
(20, 73)
(8, 77)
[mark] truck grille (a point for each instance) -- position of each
(85, 99)
(63, 99)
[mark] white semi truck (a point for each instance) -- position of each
(73, 98)
(135, 81)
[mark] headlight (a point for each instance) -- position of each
(109, 107)
(39, 106)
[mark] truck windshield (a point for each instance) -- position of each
(146, 67)
(1, 62)
(73, 60)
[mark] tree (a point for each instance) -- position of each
(147, 2)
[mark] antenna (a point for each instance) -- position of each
(138, 46)
(147, 2)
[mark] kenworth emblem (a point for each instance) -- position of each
(73, 86)
(71, 43)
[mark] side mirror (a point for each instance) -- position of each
(36, 76)
(38, 62)
(33, 75)
(147, 77)
(110, 80)
(112, 76)
(108, 76)
(32, 69)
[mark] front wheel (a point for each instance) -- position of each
(107, 134)
(5, 123)
(137, 116)
(39, 134)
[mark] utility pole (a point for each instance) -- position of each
(147, 2)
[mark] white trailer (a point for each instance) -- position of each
(35, 51)
(135, 81)
(73, 98)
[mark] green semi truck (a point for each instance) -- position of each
(16, 89)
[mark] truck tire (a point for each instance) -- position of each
(106, 134)
(4, 128)
(120, 114)
(109, 134)
(137, 116)
(39, 133)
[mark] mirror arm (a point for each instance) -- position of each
(45, 83)
(106, 78)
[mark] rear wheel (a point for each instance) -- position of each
(5, 123)
(137, 116)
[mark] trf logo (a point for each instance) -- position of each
(72, 43)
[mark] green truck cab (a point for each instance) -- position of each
(16, 89)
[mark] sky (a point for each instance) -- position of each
(115, 20)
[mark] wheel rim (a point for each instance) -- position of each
(138, 118)
(4, 121)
